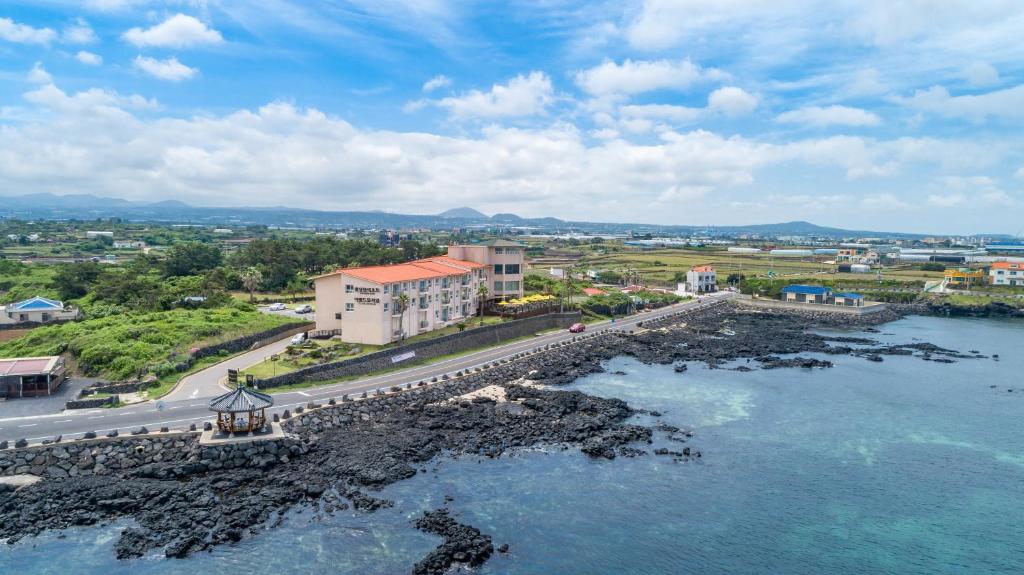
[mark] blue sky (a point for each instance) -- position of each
(873, 114)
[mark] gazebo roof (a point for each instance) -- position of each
(241, 399)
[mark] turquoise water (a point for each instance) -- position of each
(904, 466)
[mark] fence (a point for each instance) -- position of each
(447, 344)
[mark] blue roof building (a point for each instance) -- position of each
(37, 303)
(36, 310)
(806, 294)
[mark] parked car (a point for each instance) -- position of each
(277, 307)
(298, 338)
(304, 309)
(577, 328)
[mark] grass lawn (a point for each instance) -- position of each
(129, 345)
(661, 265)
(20, 281)
(333, 349)
(167, 382)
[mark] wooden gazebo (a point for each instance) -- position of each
(242, 410)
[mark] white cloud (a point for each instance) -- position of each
(11, 31)
(96, 142)
(970, 190)
(820, 117)
(170, 69)
(636, 77)
(522, 96)
(178, 31)
(78, 32)
(88, 58)
(1006, 104)
(440, 81)
(39, 75)
(732, 101)
(1020, 173)
(883, 201)
(981, 74)
(666, 112)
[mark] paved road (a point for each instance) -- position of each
(206, 383)
(179, 414)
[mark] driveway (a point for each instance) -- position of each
(47, 404)
(290, 312)
(206, 383)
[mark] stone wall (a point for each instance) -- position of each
(426, 349)
(252, 341)
(91, 402)
(156, 455)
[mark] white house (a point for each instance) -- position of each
(129, 244)
(37, 310)
(701, 279)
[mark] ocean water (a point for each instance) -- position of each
(904, 466)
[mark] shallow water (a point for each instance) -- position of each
(904, 466)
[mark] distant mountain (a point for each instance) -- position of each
(463, 213)
(507, 219)
(87, 207)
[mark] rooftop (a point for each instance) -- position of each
(850, 295)
(807, 290)
(241, 399)
(37, 303)
(702, 269)
(427, 268)
(28, 365)
(498, 243)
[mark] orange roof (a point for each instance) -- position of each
(1007, 265)
(593, 291)
(453, 262)
(702, 269)
(427, 268)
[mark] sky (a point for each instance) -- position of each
(901, 115)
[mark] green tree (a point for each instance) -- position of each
(191, 258)
(252, 277)
(481, 292)
(74, 280)
(403, 304)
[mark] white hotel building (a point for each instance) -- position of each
(364, 304)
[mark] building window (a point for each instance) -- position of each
(350, 307)
(511, 269)
(349, 288)
(337, 315)
(497, 269)
(511, 286)
(497, 286)
(499, 250)
(385, 306)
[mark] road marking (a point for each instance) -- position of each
(96, 417)
(176, 407)
(126, 413)
(195, 405)
(194, 394)
(303, 393)
(28, 425)
(63, 421)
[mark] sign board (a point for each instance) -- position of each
(403, 356)
(233, 377)
(249, 379)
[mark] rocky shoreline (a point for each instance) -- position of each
(182, 508)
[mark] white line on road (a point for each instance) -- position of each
(303, 393)
(95, 417)
(28, 425)
(63, 421)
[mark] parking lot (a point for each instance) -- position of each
(290, 311)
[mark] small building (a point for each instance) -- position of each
(37, 310)
(701, 279)
(98, 234)
(243, 410)
(965, 278)
(1006, 274)
(593, 291)
(129, 244)
(31, 376)
(849, 299)
(860, 268)
(806, 294)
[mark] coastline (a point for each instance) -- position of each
(344, 462)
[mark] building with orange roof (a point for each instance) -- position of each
(1006, 274)
(701, 279)
(364, 304)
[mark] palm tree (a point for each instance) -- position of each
(403, 303)
(252, 277)
(482, 293)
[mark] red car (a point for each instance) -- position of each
(577, 328)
